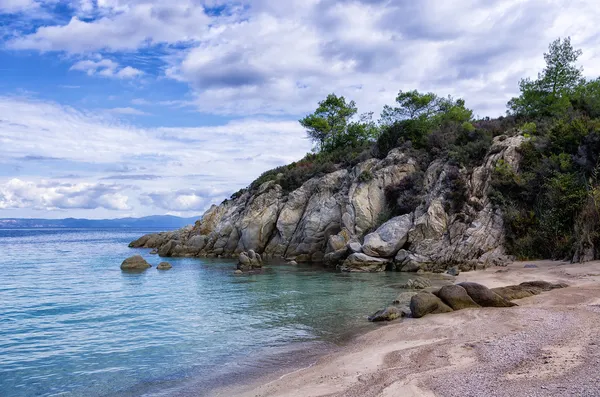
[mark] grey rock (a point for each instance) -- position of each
(363, 263)
(453, 271)
(354, 247)
(456, 297)
(135, 263)
(530, 266)
(164, 266)
(325, 217)
(425, 303)
(484, 296)
(388, 314)
(249, 261)
(417, 283)
(388, 238)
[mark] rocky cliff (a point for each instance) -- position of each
(340, 218)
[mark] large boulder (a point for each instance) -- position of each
(407, 261)
(135, 263)
(425, 303)
(456, 297)
(388, 238)
(484, 296)
(249, 261)
(363, 263)
(387, 314)
(526, 289)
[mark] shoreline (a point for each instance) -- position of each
(545, 346)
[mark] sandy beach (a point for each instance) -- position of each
(547, 346)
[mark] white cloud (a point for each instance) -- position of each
(13, 6)
(106, 68)
(266, 57)
(129, 111)
(53, 195)
(186, 200)
(212, 161)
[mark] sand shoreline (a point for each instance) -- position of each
(549, 346)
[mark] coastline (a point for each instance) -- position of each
(545, 346)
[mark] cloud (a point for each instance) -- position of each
(261, 57)
(129, 111)
(141, 177)
(153, 160)
(182, 200)
(54, 195)
(14, 6)
(106, 68)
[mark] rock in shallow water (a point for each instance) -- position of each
(135, 263)
(359, 262)
(387, 314)
(249, 261)
(417, 283)
(164, 266)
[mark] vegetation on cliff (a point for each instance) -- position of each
(550, 204)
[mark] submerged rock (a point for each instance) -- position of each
(164, 266)
(136, 262)
(387, 314)
(417, 283)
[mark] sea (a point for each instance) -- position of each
(73, 324)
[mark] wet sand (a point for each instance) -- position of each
(547, 346)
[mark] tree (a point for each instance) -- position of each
(412, 105)
(328, 125)
(554, 86)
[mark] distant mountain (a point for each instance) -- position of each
(155, 221)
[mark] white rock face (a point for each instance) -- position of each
(389, 237)
(326, 219)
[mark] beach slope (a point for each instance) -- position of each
(547, 346)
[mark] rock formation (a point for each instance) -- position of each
(249, 261)
(135, 263)
(340, 218)
(164, 266)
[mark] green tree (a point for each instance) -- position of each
(551, 92)
(330, 121)
(411, 105)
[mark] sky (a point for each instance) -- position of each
(115, 108)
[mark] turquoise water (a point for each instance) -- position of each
(73, 324)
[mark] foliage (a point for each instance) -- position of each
(551, 92)
(331, 128)
(406, 196)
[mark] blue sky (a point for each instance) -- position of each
(112, 108)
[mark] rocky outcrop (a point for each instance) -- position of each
(135, 263)
(249, 261)
(364, 263)
(340, 218)
(164, 266)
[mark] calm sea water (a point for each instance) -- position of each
(73, 324)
